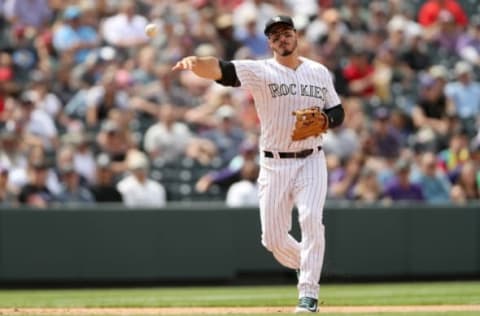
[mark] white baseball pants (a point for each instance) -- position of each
(284, 183)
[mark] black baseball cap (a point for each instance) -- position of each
(279, 19)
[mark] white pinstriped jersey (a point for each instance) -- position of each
(278, 91)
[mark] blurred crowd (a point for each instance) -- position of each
(90, 111)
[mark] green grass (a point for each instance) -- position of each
(333, 295)
(436, 293)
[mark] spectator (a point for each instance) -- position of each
(146, 72)
(452, 158)
(24, 56)
(386, 139)
(341, 141)
(73, 37)
(136, 188)
(431, 9)
(355, 16)
(263, 10)
(431, 111)
(228, 42)
(11, 147)
(125, 29)
(20, 175)
(7, 80)
(387, 73)
(232, 172)
(252, 38)
(83, 156)
(245, 191)
(6, 197)
(359, 74)
(435, 186)
(416, 55)
(35, 192)
(38, 127)
(115, 142)
(445, 36)
(464, 95)
(103, 97)
(397, 34)
(401, 188)
(367, 189)
(36, 16)
(104, 189)
(43, 98)
(228, 135)
(72, 191)
(379, 14)
(168, 138)
(65, 158)
(468, 46)
(332, 37)
(343, 180)
(467, 186)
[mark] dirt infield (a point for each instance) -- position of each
(232, 310)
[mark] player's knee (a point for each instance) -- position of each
(314, 235)
(273, 243)
(313, 220)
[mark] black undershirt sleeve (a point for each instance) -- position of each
(335, 115)
(229, 74)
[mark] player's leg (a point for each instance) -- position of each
(276, 205)
(310, 193)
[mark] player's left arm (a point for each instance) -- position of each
(335, 116)
(334, 109)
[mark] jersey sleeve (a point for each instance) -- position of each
(331, 96)
(249, 72)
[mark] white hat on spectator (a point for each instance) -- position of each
(205, 50)
(462, 68)
(110, 126)
(107, 53)
(301, 22)
(224, 21)
(397, 23)
(438, 72)
(137, 160)
(103, 161)
(414, 30)
(225, 111)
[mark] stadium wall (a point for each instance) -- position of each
(195, 242)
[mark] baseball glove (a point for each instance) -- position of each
(309, 122)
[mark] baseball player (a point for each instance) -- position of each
(296, 102)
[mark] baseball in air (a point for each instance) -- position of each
(151, 30)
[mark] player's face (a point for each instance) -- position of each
(283, 40)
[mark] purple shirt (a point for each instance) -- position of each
(397, 192)
(468, 40)
(33, 13)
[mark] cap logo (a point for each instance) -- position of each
(277, 19)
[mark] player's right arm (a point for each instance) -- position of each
(205, 67)
(223, 72)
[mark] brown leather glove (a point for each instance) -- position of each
(309, 122)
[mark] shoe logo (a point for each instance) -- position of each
(307, 304)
